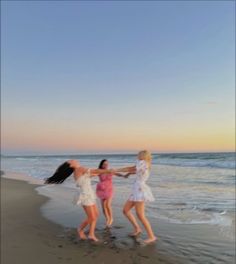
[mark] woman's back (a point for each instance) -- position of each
(86, 193)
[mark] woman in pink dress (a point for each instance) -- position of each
(104, 191)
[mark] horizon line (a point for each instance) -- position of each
(115, 153)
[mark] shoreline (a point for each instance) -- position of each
(27, 237)
(58, 243)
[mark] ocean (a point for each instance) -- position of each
(189, 188)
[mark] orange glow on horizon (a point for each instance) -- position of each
(167, 143)
(54, 137)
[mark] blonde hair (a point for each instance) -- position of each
(147, 156)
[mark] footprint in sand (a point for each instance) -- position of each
(124, 243)
(117, 227)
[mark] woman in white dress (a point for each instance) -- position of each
(87, 197)
(140, 194)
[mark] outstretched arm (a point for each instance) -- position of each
(123, 175)
(95, 172)
(131, 170)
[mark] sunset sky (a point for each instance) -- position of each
(117, 76)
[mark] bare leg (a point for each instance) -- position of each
(140, 211)
(126, 210)
(109, 209)
(92, 213)
(93, 223)
(96, 210)
(80, 229)
(105, 211)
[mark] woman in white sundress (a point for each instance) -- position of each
(86, 197)
(140, 194)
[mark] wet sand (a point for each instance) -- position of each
(27, 237)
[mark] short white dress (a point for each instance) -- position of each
(86, 195)
(140, 190)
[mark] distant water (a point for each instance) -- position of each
(43, 166)
(193, 188)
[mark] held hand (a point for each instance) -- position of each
(113, 171)
(126, 175)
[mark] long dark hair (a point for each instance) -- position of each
(101, 163)
(62, 172)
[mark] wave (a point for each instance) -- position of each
(213, 163)
(214, 210)
(211, 160)
(194, 216)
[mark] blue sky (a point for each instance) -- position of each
(117, 68)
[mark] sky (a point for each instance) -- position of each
(99, 76)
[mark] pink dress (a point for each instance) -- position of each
(104, 188)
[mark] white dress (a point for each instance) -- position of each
(140, 190)
(86, 195)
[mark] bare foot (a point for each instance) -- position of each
(93, 238)
(110, 222)
(82, 235)
(135, 233)
(150, 240)
(107, 223)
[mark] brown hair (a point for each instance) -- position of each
(62, 172)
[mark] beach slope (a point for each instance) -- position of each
(27, 237)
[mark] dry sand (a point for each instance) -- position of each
(27, 237)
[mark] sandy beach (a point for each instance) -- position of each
(27, 237)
